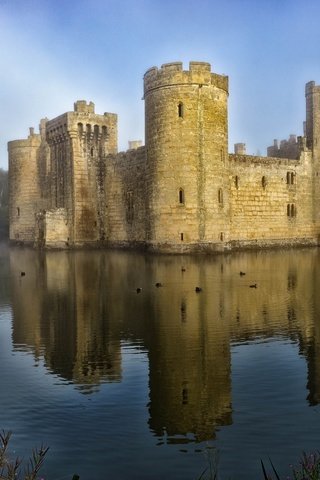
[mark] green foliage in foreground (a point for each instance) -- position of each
(11, 469)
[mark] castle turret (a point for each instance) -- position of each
(79, 142)
(240, 149)
(312, 128)
(24, 188)
(187, 151)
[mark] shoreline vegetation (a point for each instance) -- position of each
(15, 469)
(11, 469)
(308, 468)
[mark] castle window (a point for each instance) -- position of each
(91, 151)
(96, 130)
(18, 211)
(180, 110)
(221, 236)
(263, 182)
(220, 196)
(181, 237)
(291, 210)
(130, 210)
(80, 129)
(290, 178)
(183, 311)
(236, 181)
(181, 196)
(104, 131)
(185, 396)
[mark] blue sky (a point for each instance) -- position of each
(53, 52)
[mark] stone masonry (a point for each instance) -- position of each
(181, 192)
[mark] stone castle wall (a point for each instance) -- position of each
(79, 142)
(25, 198)
(285, 149)
(271, 199)
(187, 140)
(312, 93)
(182, 192)
(126, 197)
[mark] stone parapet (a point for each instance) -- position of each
(171, 74)
(181, 192)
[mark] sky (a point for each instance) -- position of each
(54, 52)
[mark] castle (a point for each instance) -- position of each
(181, 192)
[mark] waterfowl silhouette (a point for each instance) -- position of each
(242, 273)
(254, 285)
(198, 289)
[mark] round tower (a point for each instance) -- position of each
(312, 127)
(24, 194)
(187, 151)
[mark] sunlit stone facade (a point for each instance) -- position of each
(181, 192)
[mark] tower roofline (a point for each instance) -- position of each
(172, 74)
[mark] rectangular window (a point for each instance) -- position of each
(290, 178)
(180, 110)
(291, 210)
(130, 209)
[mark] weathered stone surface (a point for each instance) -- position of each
(182, 192)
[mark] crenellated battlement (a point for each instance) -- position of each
(83, 123)
(170, 74)
(33, 140)
(26, 143)
(181, 192)
(311, 87)
(83, 107)
(312, 93)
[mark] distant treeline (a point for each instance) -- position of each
(4, 222)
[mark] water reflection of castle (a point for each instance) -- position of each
(75, 309)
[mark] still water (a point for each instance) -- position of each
(150, 385)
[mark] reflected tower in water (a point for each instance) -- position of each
(190, 368)
(77, 309)
(61, 311)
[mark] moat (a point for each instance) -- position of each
(129, 385)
